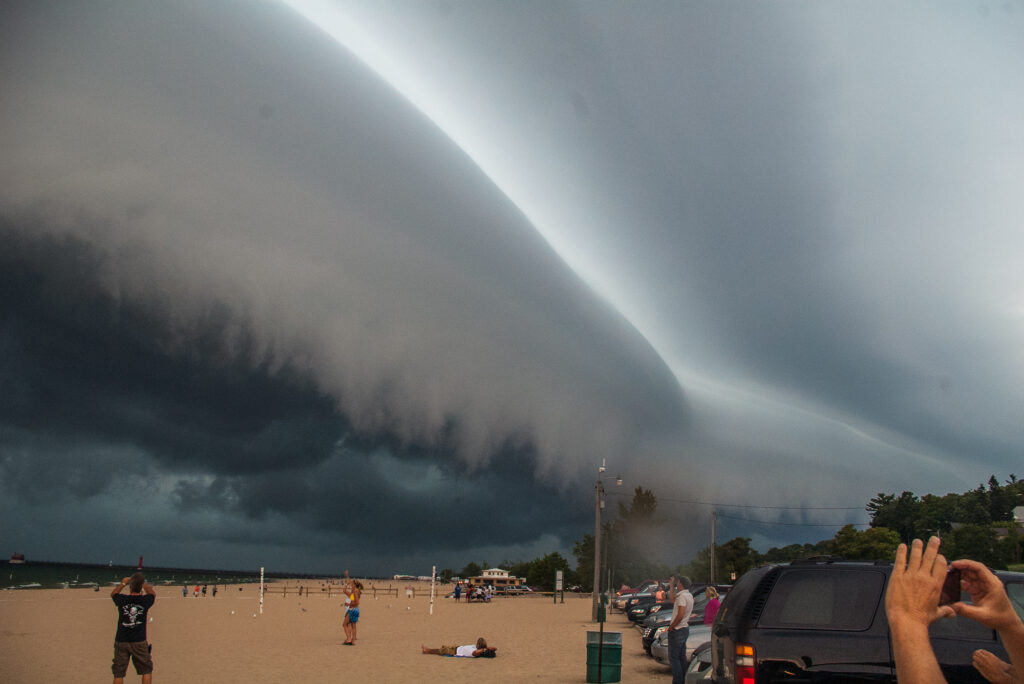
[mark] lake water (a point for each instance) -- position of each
(58, 575)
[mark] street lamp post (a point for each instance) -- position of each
(598, 505)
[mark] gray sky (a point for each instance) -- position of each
(377, 285)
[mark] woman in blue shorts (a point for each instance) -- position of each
(353, 589)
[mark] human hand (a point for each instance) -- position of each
(991, 606)
(912, 597)
(126, 580)
(995, 670)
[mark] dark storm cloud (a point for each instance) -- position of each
(88, 377)
(336, 277)
(81, 366)
(245, 267)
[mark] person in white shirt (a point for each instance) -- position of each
(478, 650)
(679, 628)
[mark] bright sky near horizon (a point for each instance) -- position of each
(331, 282)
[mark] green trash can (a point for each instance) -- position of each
(609, 653)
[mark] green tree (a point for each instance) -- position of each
(632, 543)
(896, 513)
(517, 569)
(935, 515)
(977, 542)
(698, 569)
(795, 552)
(1008, 547)
(973, 507)
(641, 508)
(734, 555)
(471, 570)
(583, 551)
(542, 572)
(875, 543)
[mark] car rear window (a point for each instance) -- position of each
(1016, 593)
(824, 599)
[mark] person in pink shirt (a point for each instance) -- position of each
(713, 603)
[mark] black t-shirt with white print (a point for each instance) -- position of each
(131, 616)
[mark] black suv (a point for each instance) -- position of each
(823, 620)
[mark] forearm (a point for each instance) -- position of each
(915, 659)
(148, 588)
(1013, 642)
(117, 590)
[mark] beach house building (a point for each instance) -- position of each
(495, 577)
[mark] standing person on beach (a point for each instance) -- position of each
(679, 628)
(458, 591)
(353, 588)
(130, 641)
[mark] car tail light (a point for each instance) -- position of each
(746, 663)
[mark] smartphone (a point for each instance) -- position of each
(950, 588)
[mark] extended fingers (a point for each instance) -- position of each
(931, 560)
(916, 551)
(992, 668)
(901, 560)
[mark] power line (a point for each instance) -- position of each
(768, 522)
(773, 508)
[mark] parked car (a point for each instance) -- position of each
(699, 637)
(824, 619)
(699, 667)
(696, 617)
(622, 597)
(637, 607)
(649, 609)
(662, 617)
(649, 629)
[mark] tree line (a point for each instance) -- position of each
(976, 524)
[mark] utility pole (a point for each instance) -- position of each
(597, 545)
(712, 546)
(598, 505)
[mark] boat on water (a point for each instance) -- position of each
(17, 559)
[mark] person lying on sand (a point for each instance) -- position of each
(478, 650)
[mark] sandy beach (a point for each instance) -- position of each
(67, 635)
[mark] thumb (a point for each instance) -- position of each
(944, 612)
(966, 609)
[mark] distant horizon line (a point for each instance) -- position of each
(276, 574)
